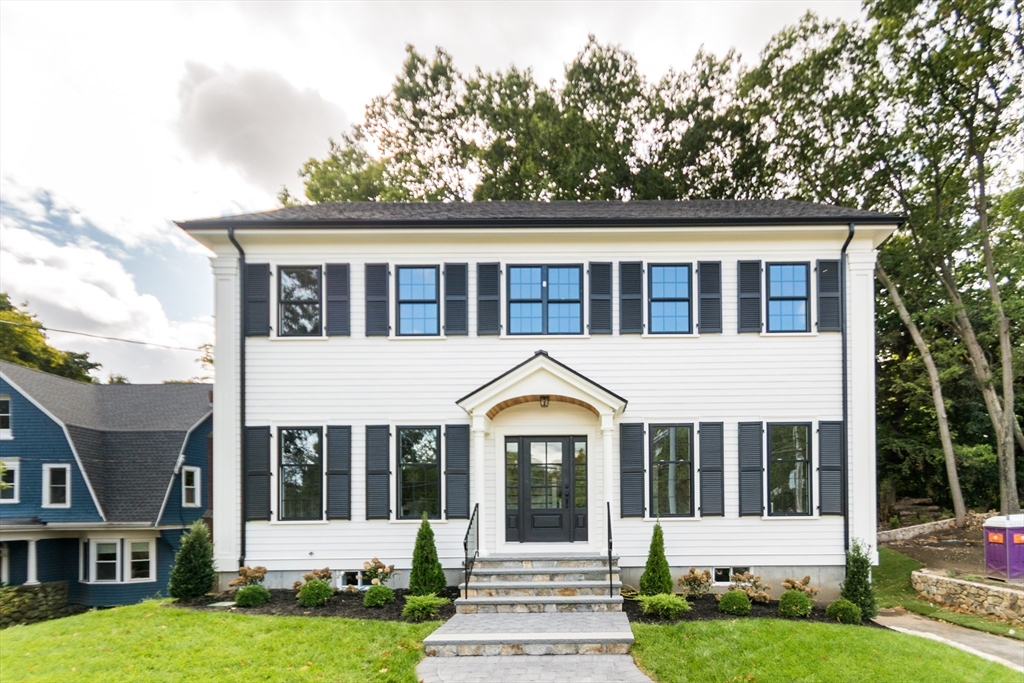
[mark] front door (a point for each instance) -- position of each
(546, 489)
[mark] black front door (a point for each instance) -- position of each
(546, 489)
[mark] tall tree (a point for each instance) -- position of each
(22, 341)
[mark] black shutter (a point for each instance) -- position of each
(829, 317)
(831, 441)
(631, 469)
(712, 482)
(748, 275)
(378, 472)
(631, 295)
(339, 473)
(456, 471)
(600, 298)
(488, 299)
(338, 300)
(709, 285)
(456, 314)
(377, 324)
(256, 285)
(751, 448)
(257, 473)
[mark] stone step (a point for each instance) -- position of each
(541, 575)
(536, 604)
(539, 588)
(531, 634)
(543, 562)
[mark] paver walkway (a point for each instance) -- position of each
(546, 668)
(1007, 651)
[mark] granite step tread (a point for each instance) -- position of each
(542, 599)
(545, 585)
(604, 633)
(555, 556)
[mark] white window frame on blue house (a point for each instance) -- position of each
(47, 485)
(196, 487)
(5, 411)
(127, 569)
(124, 559)
(13, 465)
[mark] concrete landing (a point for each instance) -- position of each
(574, 668)
(476, 635)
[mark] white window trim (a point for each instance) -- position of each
(6, 434)
(127, 569)
(811, 473)
(124, 560)
(275, 295)
(93, 545)
(395, 465)
(275, 464)
(13, 464)
(46, 486)
(695, 494)
(198, 487)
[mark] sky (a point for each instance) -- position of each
(116, 119)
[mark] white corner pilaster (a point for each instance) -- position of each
(607, 445)
(227, 451)
(479, 428)
(32, 575)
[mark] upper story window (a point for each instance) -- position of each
(672, 470)
(419, 472)
(56, 486)
(545, 299)
(190, 496)
(10, 491)
(5, 416)
(301, 467)
(789, 469)
(669, 290)
(788, 296)
(298, 304)
(418, 301)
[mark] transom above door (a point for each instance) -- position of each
(546, 489)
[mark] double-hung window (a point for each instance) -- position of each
(140, 565)
(418, 301)
(56, 486)
(545, 299)
(5, 416)
(419, 472)
(299, 301)
(9, 492)
(789, 297)
(105, 560)
(789, 469)
(670, 309)
(190, 497)
(672, 470)
(301, 473)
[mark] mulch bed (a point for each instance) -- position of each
(705, 608)
(349, 605)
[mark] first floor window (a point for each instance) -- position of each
(106, 561)
(190, 487)
(9, 477)
(671, 470)
(788, 295)
(417, 301)
(299, 301)
(789, 468)
(670, 299)
(419, 472)
(301, 459)
(56, 481)
(545, 299)
(140, 560)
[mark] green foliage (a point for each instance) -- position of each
(843, 611)
(423, 607)
(378, 596)
(193, 573)
(427, 576)
(252, 595)
(315, 593)
(695, 584)
(857, 586)
(794, 603)
(22, 342)
(734, 602)
(664, 606)
(657, 577)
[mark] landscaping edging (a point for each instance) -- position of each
(29, 604)
(979, 598)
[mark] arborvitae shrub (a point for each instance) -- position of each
(734, 602)
(192, 574)
(252, 595)
(843, 611)
(378, 596)
(664, 606)
(657, 577)
(315, 593)
(857, 587)
(427, 577)
(423, 607)
(794, 603)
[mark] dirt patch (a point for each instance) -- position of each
(961, 551)
(705, 608)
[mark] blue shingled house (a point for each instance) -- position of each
(101, 482)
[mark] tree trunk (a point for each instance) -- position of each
(959, 509)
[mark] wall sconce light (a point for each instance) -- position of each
(544, 401)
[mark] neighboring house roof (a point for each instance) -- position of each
(354, 215)
(127, 436)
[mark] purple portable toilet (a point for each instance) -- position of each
(1004, 547)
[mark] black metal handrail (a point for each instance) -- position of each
(472, 537)
(611, 588)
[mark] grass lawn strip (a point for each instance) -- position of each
(151, 642)
(769, 650)
(893, 589)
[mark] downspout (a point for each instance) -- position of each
(846, 391)
(241, 379)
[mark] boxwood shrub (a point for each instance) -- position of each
(315, 593)
(252, 595)
(663, 605)
(735, 602)
(794, 603)
(843, 611)
(378, 596)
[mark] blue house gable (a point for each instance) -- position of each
(189, 492)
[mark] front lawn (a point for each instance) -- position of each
(151, 642)
(766, 650)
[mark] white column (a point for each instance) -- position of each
(33, 565)
(607, 436)
(227, 451)
(479, 429)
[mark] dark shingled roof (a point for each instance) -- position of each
(354, 215)
(128, 436)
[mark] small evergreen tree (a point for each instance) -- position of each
(857, 587)
(657, 577)
(427, 576)
(193, 574)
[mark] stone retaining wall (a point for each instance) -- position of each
(29, 604)
(908, 532)
(980, 598)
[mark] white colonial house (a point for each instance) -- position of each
(537, 365)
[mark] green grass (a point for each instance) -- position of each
(893, 589)
(150, 642)
(769, 650)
